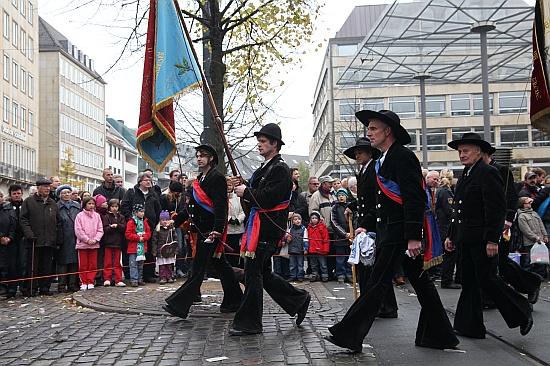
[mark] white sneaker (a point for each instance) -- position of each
(120, 284)
(90, 287)
(107, 283)
(83, 287)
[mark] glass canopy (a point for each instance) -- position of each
(435, 37)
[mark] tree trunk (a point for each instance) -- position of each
(215, 71)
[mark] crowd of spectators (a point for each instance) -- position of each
(43, 236)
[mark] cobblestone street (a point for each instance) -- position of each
(125, 326)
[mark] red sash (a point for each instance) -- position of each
(202, 199)
(249, 241)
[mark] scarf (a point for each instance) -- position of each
(202, 199)
(433, 248)
(140, 228)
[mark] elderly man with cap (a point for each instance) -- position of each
(480, 209)
(365, 155)
(268, 194)
(42, 229)
(400, 204)
(208, 214)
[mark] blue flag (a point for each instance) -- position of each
(175, 66)
(169, 69)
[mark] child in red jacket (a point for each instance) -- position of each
(319, 246)
(138, 233)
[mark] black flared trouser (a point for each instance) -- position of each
(479, 273)
(389, 303)
(434, 329)
(521, 280)
(259, 276)
(182, 298)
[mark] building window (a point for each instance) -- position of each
(23, 42)
(435, 106)
(457, 132)
(30, 13)
(23, 81)
(478, 104)
(512, 102)
(23, 119)
(403, 106)
(515, 136)
(6, 67)
(6, 27)
(14, 33)
(23, 7)
(437, 139)
(14, 73)
(15, 115)
(347, 139)
(414, 143)
(347, 49)
(30, 49)
(373, 104)
(348, 108)
(31, 86)
(14, 3)
(460, 105)
(540, 138)
(6, 108)
(31, 124)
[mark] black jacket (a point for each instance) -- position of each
(298, 204)
(479, 206)
(7, 221)
(444, 210)
(269, 186)
(339, 223)
(40, 220)
(399, 223)
(366, 196)
(214, 185)
(112, 192)
(151, 204)
(7, 229)
(113, 237)
(509, 190)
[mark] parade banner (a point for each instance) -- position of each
(540, 95)
(169, 70)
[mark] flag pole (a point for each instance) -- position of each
(206, 89)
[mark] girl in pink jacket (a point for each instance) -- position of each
(88, 230)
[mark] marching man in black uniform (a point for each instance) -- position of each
(400, 204)
(480, 210)
(268, 194)
(365, 156)
(523, 281)
(208, 212)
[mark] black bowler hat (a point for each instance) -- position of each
(271, 130)
(364, 144)
(210, 150)
(389, 118)
(474, 139)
